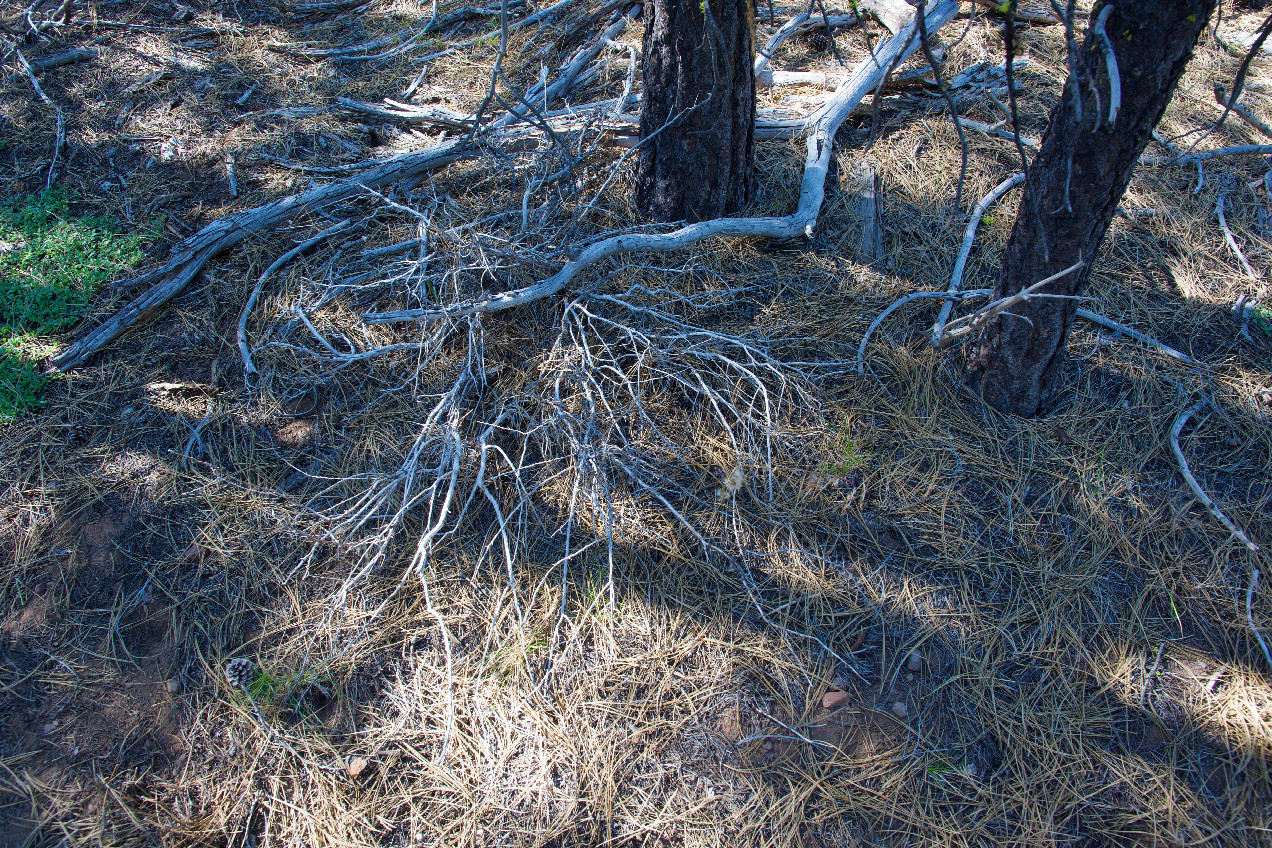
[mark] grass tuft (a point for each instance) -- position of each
(51, 266)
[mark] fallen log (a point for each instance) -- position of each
(193, 253)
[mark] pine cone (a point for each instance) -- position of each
(79, 432)
(820, 40)
(238, 672)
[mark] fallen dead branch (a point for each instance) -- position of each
(820, 127)
(1227, 236)
(1163, 349)
(997, 131)
(66, 57)
(1221, 97)
(803, 22)
(909, 298)
(278, 263)
(1207, 155)
(192, 254)
(1205, 499)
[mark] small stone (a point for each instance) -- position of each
(900, 710)
(834, 700)
(767, 746)
(49, 728)
(356, 766)
(914, 662)
(174, 685)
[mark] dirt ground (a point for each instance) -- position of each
(912, 622)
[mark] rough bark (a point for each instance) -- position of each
(1079, 174)
(697, 125)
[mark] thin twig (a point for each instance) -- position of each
(1192, 481)
(1254, 582)
(1227, 236)
(874, 325)
(244, 351)
(1165, 350)
(1110, 62)
(60, 131)
(1238, 82)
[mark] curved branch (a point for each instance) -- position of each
(820, 127)
(969, 236)
(874, 325)
(244, 351)
(193, 253)
(1192, 481)
(1110, 62)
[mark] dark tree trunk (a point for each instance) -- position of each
(697, 126)
(1079, 175)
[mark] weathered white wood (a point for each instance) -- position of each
(864, 184)
(894, 14)
(191, 255)
(1192, 481)
(820, 129)
(969, 236)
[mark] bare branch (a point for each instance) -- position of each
(1163, 349)
(1227, 235)
(1221, 97)
(1180, 421)
(1110, 62)
(244, 351)
(969, 236)
(909, 298)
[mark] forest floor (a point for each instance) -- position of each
(870, 613)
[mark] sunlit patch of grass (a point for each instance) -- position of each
(51, 265)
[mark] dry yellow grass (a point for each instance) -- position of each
(1083, 670)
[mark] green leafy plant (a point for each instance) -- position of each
(288, 694)
(1261, 319)
(51, 266)
(849, 454)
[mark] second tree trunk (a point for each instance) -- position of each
(697, 125)
(1079, 176)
